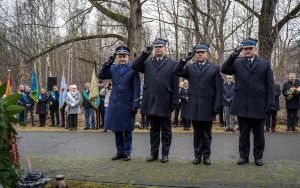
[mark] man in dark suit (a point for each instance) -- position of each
(253, 97)
(205, 86)
(228, 94)
(123, 102)
(160, 95)
(291, 100)
(272, 117)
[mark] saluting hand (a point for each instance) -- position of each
(237, 51)
(148, 49)
(111, 59)
(188, 57)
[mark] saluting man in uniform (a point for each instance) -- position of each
(205, 87)
(123, 102)
(253, 97)
(160, 95)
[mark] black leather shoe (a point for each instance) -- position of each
(196, 161)
(126, 158)
(86, 128)
(151, 158)
(207, 161)
(117, 157)
(259, 162)
(164, 159)
(242, 161)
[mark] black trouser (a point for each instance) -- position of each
(54, 113)
(221, 116)
(145, 121)
(42, 118)
(73, 121)
(62, 117)
(163, 125)
(257, 126)
(186, 123)
(202, 138)
(291, 118)
(271, 120)
(176, 114)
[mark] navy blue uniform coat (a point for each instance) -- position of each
(161, 85)
(254, 86)
(125, 96)
(205, 87)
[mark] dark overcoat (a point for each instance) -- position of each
(184, 95)
(42, 105)
(294, 102)
(254, 86)
(228, 94)
(53, 100)
(205, 86)
(124, 97)
(161, 85)
(277, 93)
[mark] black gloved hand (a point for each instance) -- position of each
(111, 59)
(134, 110)
(237, 51)
(217, 110)
(189, 56)
(270, 109)
(148, 49)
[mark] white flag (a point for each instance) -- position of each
(63, 91)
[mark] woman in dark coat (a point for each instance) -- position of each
(123, 102)
(42, 107)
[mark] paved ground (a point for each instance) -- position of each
(86, 156)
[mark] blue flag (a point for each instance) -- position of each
(34, 86)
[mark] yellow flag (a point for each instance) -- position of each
(94, 93)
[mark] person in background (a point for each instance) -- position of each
(54, 106)
(178, 108)
(102, 92)
(21, 102)
(184, 97)
(107, 91)
(42, 107)
(228, 94)
(272, 117)
(89, 111)
(291, 90)
(29, 105)
(73, 106)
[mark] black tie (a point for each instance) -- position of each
(158, 62)
(250, 62)
(201, 66)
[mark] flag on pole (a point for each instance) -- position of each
(63, 91)
(8, 90)
(34, 86)
(94, 93)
